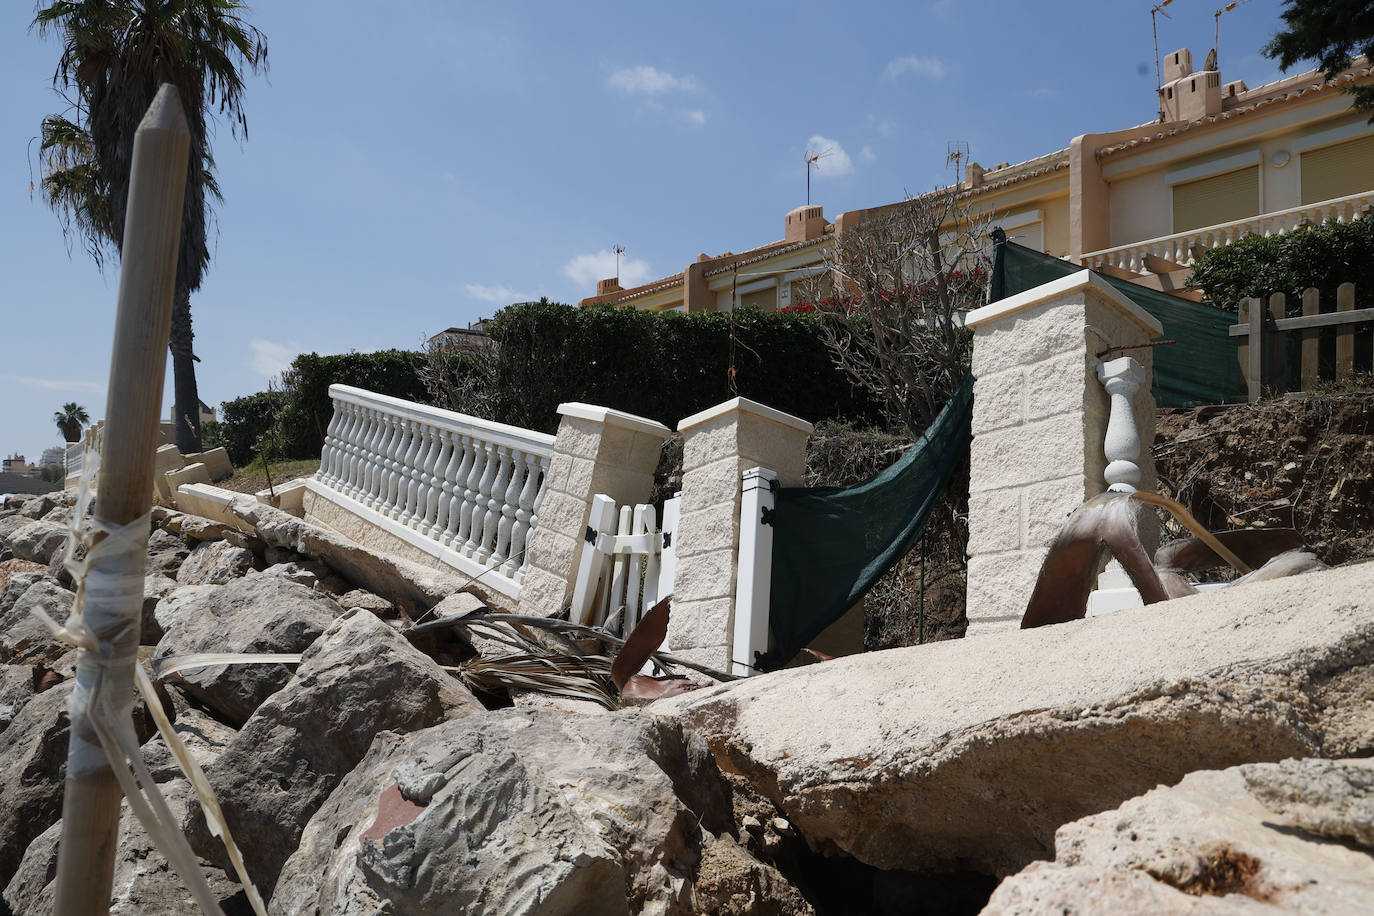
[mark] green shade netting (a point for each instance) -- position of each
(1200, 368)
(830, 544)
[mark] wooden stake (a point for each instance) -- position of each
(1345, 334)
(152, 237)
(1311, 340)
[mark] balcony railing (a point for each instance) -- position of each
(1186, 247)
(460, 488)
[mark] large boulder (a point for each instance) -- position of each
(359, 678)
(166, 553)
(214, 563)
(145, 884)
(16, 689)
(38, 541)
(969, 754)
(33, 763)
(1293, 836)
(262, 614)
(513, 812)
(155, 588)
(23, 637)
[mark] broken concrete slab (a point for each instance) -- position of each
(969, 754)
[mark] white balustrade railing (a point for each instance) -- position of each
(460, 488)
(1186, 247)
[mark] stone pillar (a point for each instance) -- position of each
(1039, 420)
(596, 450)
(718, 445)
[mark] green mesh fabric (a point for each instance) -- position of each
(830, 544)
(1200, 368)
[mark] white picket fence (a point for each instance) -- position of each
(462, 489)
(628, 561)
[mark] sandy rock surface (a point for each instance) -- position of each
(1215, 843)
(972, 753)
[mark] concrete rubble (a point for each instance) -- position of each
(1202, 755)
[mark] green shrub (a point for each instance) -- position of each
(664, 366)
(1322, 256)
(244, 421)
(307, 407)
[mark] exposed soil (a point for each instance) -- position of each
(1302, 461)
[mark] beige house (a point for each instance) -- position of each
(1221, 162)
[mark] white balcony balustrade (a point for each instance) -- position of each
(462, 489)
(1186, 248)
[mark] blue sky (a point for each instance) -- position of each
(416, 165)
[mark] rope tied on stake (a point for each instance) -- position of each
(112, 571)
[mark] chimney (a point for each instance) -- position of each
(1188, 95)
(608, 285)
(973, 175)
(804, 224)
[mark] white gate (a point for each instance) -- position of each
(627, 561)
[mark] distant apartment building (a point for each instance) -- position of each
(15, 464)
(56, 455)
(1222, 161)
(472, 339)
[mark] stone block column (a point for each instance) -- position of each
(596, 450)
(1039, 419)
(718, 445)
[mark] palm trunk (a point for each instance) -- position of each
(186, 395)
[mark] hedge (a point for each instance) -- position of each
(1323, 256)
(664, 366)
(661, 366)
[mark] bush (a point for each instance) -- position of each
(661, 366)
(1323, 256)
(664, 366)
(244, 421)
(307, 407)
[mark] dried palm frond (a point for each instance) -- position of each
(586, 677)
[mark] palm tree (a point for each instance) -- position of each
(70, 419)
(115, 55)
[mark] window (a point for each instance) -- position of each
(1338, 170)
(1218, 199)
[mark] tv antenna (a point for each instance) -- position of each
(1216, 41)
(811, 157)
(956, 154)
(619, 250)
(1154, 30)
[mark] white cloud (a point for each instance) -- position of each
(59, 384)
(695, 117)
(644, 80)
(586, 269)
(498, 293)
(931, 67)
(834, 161)
(867, 154)
(271, 358)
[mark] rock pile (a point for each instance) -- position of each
(368, 778)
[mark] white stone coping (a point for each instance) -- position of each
(1084, 279)
(489, 576)
(608, 417)
(744, 405)
(525, 440)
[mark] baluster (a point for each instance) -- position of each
(361, 453)
(1121, 378)
(405, 480)
(347, 426)
(451, 536)
(357, 422)
(538, 501)
(329, 448)
(471, 526)
(495, 494)
(416, 478)
(381, 446)
(434, 492)
(524, 511)
(510, 501)
(395, 455)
